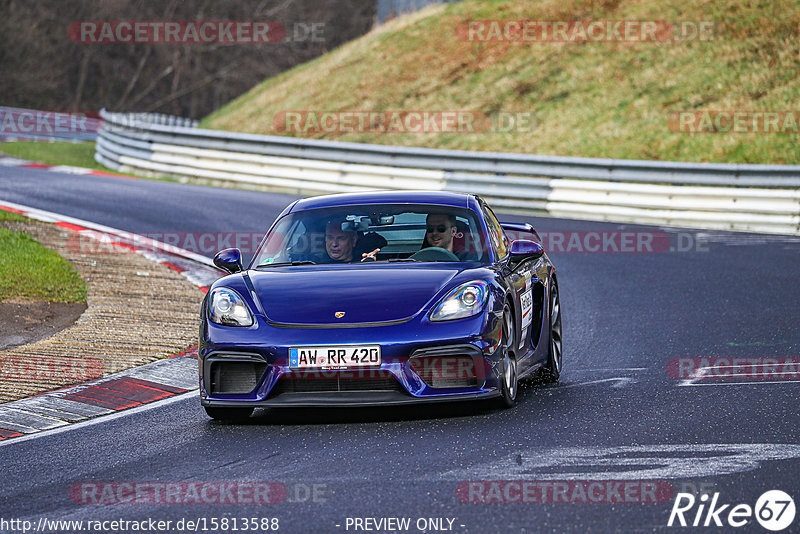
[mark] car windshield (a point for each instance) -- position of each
(399, 233)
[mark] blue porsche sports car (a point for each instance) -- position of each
(380, 298)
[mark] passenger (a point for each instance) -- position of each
(439, 231)
(339, 242)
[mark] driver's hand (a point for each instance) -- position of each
(370, 256)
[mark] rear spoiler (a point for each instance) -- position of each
(515, 229)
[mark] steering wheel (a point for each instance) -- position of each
(434, 254)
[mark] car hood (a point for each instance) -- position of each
(368, 294)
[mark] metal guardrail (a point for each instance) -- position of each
(762, 198)
(151, 119)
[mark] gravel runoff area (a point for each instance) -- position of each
(138, 311)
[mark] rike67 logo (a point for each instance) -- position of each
(774, 510)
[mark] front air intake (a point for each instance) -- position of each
(450, 371)
(235, 377)
(371, 380)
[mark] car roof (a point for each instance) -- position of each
(438, 198)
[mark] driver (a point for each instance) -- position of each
(440, 229)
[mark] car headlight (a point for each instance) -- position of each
(464, 301)
(226, 307)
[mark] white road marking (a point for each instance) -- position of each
(18, 415)
(708, 372)
(6, 161)
(101, 419)
(757, 383)
(621, 381)
(638, 462)
(49, 401)
(609, 369)
(68, 169)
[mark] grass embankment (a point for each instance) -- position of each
(28, 269)
(57, 153)
(595, 99)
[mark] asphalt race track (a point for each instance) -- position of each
(618, 415)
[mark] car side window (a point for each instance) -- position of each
(496, 232)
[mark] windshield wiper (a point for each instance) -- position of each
(286, 263)
(401, 259)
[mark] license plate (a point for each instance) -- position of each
(335, 357)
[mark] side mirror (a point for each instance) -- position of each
(229, 260)
(522, 249)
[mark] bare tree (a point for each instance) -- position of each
(44, 68)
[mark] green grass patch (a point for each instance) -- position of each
(57, 153)
(10, 216)
(594, 99)
(28, 269)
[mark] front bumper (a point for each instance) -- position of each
(403, 377)
(351, 399)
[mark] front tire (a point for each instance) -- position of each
(233, 415)
(552, 370)
(508, 379)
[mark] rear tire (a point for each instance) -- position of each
(509, 385)
(233, 415)
(552, 370)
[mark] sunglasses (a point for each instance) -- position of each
(439, 229)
